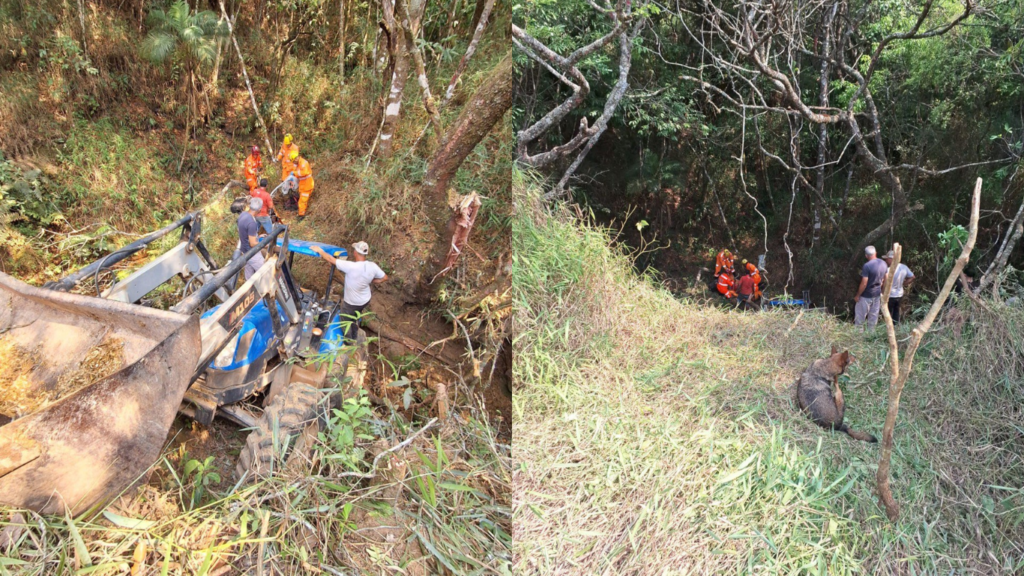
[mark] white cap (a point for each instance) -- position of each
(870, 251)
(891, 255)
(255, 203)
(361, 248)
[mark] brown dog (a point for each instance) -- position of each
(814, 394)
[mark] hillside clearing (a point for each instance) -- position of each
(657, 436)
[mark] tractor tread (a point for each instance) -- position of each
(289, 412)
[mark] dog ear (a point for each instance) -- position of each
(834, 350)
(846, 359)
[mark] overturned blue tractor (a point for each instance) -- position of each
(82, 432)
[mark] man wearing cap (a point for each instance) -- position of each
(869, 293)
(359, 275)
(248, 231)
(901, 279)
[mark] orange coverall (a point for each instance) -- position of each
(723, 262)
(755, 275)
(725, 285)
(253, 167)
(286, 162)
(305, 175)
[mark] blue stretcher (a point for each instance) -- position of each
(305, 248)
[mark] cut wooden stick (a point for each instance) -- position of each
(900, 371)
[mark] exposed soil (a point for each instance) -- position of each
(190, 440)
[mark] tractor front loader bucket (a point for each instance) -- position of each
(88, 391)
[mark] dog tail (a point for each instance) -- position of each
(857, 435)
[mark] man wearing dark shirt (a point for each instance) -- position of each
(248, 230)
(868, 298)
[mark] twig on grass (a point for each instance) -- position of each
(395, 448)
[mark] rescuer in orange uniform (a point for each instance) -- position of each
(755, 275)
(723, 262)
(304, 174)
(253, 168)
(726, 285)
(284, 156)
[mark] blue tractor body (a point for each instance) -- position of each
(240, 368)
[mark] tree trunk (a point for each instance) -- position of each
(400, 56)
(217, 59)
(823, 78)
(478, 32)
(618, 91)
(245, 75)
(85, 32)
(478, 12)
(410, 18)
(484, 109)
(482, 112)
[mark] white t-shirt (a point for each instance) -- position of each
(358, 276)
(901, 275)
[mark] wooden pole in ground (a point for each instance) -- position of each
(341, 42)
(901, 370)
(245, 74)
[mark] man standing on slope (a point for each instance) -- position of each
(901, 279)
(868, 297)
(359, 275)
(253, 167)
(304, 174)
(284, 156)
(248, 231)
(263, 217)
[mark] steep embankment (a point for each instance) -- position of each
(657, 435)
(98, 145)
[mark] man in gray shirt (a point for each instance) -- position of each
(359, 275)
(868, 297)
(248, 232)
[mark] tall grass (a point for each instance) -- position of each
(658, 436)
(448, 511)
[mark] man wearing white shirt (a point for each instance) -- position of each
(901, 279)
(359, 275)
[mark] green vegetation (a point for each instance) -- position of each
(116, 118)
(657, 435)
(289, 523)
(704, 146)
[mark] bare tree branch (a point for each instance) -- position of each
(621, 85)
(900, 371)
(470, 50)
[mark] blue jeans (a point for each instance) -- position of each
(266, 223)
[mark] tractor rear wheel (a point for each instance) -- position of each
(267, 447)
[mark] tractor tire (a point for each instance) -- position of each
(287, 415)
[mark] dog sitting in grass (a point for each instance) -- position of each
(818, 395)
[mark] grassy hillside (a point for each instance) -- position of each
(657, 436)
